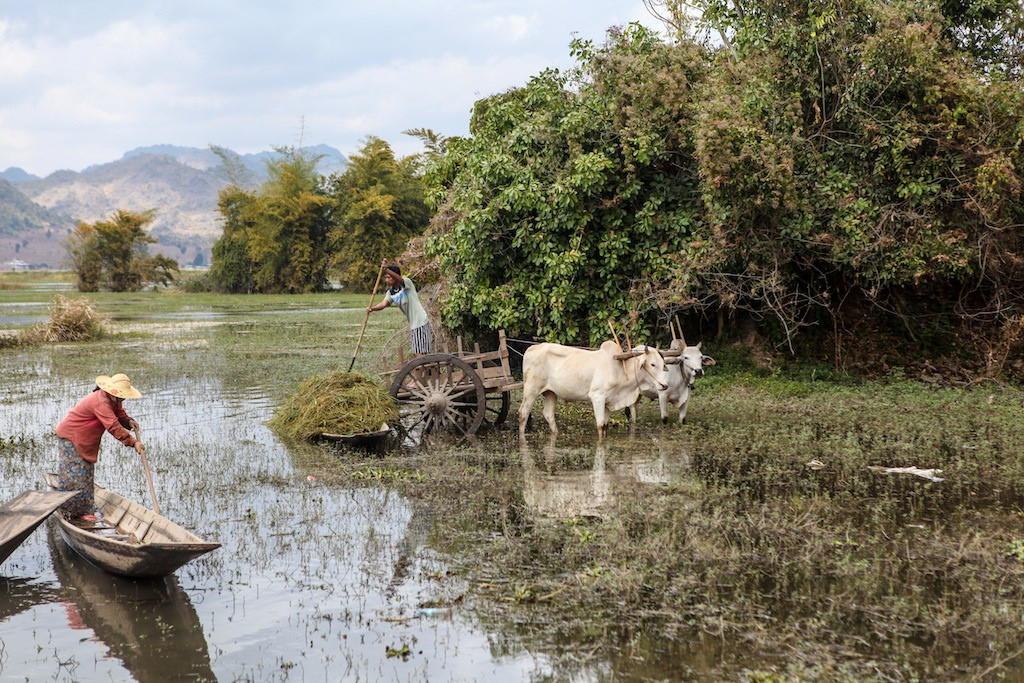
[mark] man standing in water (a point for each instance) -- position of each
(402, 292)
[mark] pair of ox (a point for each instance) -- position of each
(608, 379)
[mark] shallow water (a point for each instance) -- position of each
(312, 582)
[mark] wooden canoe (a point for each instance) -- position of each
(20, 517)
(131, 540)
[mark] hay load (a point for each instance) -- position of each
(71, 320)
(335, 403)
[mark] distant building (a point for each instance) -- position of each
(16, 264)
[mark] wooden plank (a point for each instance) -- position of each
(484, 357)
(20, 516)
(492, 371)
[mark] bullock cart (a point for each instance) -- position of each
(454, 391)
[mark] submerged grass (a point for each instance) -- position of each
(832, 573)
(750, 565)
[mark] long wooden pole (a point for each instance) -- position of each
(149, 475)
(367, 318)
(611, 326)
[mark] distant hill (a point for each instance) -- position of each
(17, 175)
(18, 213)
(180, 183)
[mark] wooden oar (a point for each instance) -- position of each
(360, 340)
(149, 475)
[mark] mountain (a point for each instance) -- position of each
(17, 175)
(18, 213)
(181, 183)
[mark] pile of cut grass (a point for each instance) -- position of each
(335, 403)
(71, 320)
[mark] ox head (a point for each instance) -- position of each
(651, 370)
(691, 358)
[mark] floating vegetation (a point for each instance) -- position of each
(335, 403)
(70, 320)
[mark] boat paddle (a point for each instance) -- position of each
(149, 475)
(372, 297)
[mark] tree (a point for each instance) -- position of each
(114, 254)
(572, 195)
(836, 153)
(275, 238)
(379, 205)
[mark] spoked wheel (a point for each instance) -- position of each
(497, 408)
(439, 392)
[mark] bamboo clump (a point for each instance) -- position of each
(335, 403)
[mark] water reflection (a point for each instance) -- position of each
(18, 595)
(150, 626)
(573, 482)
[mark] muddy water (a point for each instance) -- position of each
(312, 582)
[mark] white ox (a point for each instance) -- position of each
(571, 374)
(682, 373)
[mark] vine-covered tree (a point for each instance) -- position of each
(831, 153)
(379, 205)
(573, 193)
(275, 239)
(114, 254)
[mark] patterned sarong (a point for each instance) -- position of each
(73, 474)
(422, 341)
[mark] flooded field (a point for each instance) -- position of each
(717, 549)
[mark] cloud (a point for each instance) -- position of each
(510, 28)
(83, 83)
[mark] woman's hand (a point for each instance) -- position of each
(132, 424)
(139, 448)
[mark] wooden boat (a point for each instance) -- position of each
(366, 439)
(20, 517)
(131, 540)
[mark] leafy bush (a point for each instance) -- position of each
(834, 157)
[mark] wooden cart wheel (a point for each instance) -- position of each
(439, 392)
(497, 408)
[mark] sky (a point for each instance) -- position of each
(82, 82)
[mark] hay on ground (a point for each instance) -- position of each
(336, 403)
(71, 320)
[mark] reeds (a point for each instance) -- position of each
(335, 403)
(70, 320)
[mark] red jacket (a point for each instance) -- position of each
(87, 421)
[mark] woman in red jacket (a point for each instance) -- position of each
(80, 434)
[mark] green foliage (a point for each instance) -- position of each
(573, 194)
(379, 205)
(838, 151)
(114, 254)
(275, 239)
